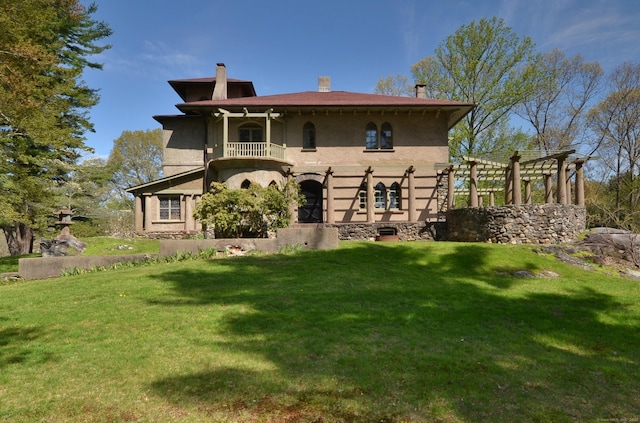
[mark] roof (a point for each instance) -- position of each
(166, 180)
(180, 85)
(332, 99)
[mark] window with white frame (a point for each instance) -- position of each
(362, 197)
(380, 194)
(170, 208)
(394, 196)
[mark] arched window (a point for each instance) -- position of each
(381, 196)
(245, 184)
(386, 136)
(371, 136)
(250, 133)
(309, 136)
(394, 196)
(362, 196)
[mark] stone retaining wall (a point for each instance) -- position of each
(369, 231)
(524, 224)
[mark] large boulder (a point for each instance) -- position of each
(617, 243)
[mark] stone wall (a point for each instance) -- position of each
(369, 231)
(524, 224)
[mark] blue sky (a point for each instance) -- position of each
(284, 45)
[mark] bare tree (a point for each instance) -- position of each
(563, 89)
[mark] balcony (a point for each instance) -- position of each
(254, 150)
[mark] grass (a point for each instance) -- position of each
(370, 332)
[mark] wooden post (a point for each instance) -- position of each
(527, 191)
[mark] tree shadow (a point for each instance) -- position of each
(17, 346)
(400, 334)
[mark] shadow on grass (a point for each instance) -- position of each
(17, 346)
(380, 333)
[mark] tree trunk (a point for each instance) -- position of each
(19, 238)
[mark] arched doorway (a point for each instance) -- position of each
(311, 212)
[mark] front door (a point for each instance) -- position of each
(311, 212)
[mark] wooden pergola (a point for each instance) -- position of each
(520, 170)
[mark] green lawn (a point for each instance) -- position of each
(370, 332)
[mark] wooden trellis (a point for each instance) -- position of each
(522, 168)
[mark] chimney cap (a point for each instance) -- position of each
(220, 64)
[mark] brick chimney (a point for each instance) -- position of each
(421, 91)
(324, 84)
(220, 89)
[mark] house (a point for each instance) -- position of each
(368, 164)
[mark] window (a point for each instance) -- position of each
(309, 136)
(245, 184)
(371, 136)
(170, 208)
(362, 196)
(250, 133)
(380, 194)
(394, 196)
(386, 139)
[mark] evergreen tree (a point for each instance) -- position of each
(44, 48)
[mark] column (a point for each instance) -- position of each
(147, 212)
(139, 215)
(412, 195)
(548, 189)
(562, 186)
(515, 174)
(188, 213)
(451, 189)
(527, 191)
(473, 184)
(567, 179)
(370, 197)
(579, 182)
(492, 198)
(330, 211)
(508, 186)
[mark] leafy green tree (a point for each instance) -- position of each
(247, 212)
(483, 63)
(397, 85)
(136, 158)
(44, 48)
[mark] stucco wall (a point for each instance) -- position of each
(525, 224)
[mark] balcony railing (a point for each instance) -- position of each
(255, 149)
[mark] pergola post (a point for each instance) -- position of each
(567, 178)
(508, 186)
(579, 182)
(370, 196)
(329, 181)
(412, 194)
(473, 184)
(515, 174)
(548, 188)
(492, 198)
(451, 189)
(527, 191)
(562, 186)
